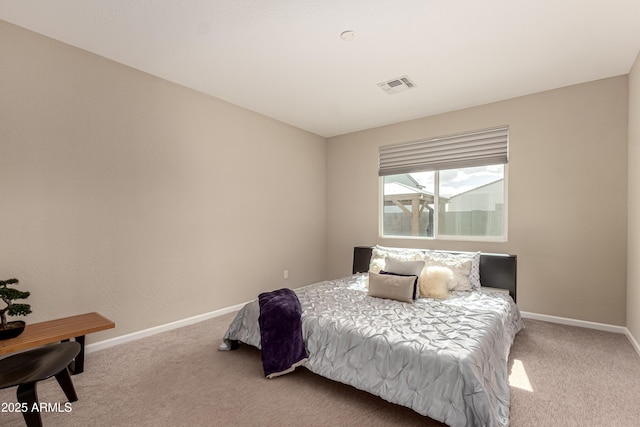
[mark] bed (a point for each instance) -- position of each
(444, 358)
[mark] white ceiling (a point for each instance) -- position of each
(285, 58)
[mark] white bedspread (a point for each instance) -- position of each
(444, 359)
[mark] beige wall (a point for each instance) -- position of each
(633, 248)
(148, 202)
(567, 195)
(129, 195)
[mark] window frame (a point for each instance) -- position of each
(448, 237)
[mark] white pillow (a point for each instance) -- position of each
(465, 279)
(393, 265)
(474, 277)
(434, 282)
(391, 287)
(379, 253)
(460, 265)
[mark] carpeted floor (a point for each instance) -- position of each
(560, 376)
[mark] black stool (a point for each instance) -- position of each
(26, 369)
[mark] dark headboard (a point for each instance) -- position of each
(496, 270)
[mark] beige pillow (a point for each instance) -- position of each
(391, 287)
(434, 282)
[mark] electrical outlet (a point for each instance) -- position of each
(286, 274)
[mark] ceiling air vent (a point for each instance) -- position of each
(397, 85)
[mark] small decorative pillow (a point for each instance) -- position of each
(434, 282)
(393, 265)
(391, 286)
(404, 268)
(415, 283)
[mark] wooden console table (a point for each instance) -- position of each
(64, 329)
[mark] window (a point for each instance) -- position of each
(450, 187)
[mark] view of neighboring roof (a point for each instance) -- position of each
(396, 188)
(477, 188)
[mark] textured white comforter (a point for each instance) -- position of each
(444, 359)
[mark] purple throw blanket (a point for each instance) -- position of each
(281, 340)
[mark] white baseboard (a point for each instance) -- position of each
(585, 324)
(634, 343)
(101, 345)
(574, 322)
(195, 319)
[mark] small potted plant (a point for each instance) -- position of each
(8, 295)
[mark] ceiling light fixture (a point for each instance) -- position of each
(348, 35)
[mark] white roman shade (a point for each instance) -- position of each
(476, 148)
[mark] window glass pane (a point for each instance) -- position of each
(471, 201)
(408, 207)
